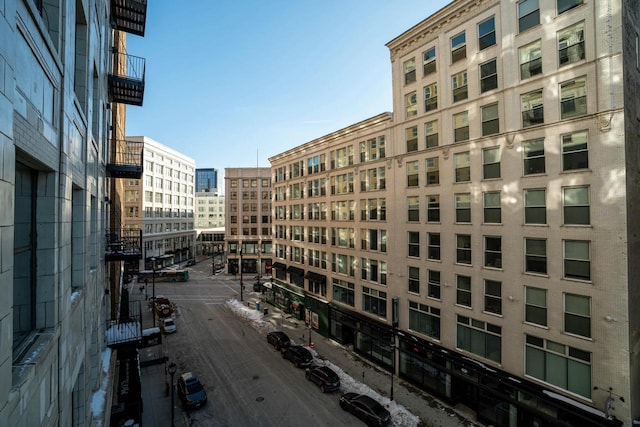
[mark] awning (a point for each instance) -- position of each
(296, 271)
(315, 277)
(279, 266)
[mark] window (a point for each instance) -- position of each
(535, 255)
(433, 246)
(431, 134)
(535, 305)
(429, 61)
(462, 163)
(490, 120)
(573, 98)
(411, 105)
(530, 60)
(565, 5)
(492, 209)
(343, 292)
(528, 14)
(413, 209)
(414, 280)
(412, 174)
(459, 86)
(560, 365)
(481, 338)
(493, 296)
(463, 249)
(535, 206)
(487, 33)
(532, 109)
(463, 207)
(463, 290)
(493, 251)
(433, 284)
(533, 152)
(574, 151)
(433, 208)
(491, 163)
(431, 97)
(461, 126)
(488, 76)
(577, 315)
(458, 47)
(411, 136)
(409, 71)
(374, 301)
(424, 319)
(414, 244)
(571, 44)
(576, 260)
(433, 171)
(575, 205)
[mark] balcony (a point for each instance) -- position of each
(126, 161)
(127, 328)
(126, 81)
(123, 244)
(129, 16)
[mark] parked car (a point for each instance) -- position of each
(168, 325)
(191, 262)
(300, 356)
(278, 339)
(365, 408)
(191, 391)
(324, 377)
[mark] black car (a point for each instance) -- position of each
(190, 391)
(300, 356)
(278, 339)
(365, 408)
(324, 378)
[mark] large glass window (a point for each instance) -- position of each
(528, 14)
(575, 204)
(535, 255)
(429, 61)
(571, 44)
(577, 264)
(492, 208)
(573, 98)
(431, 97)
(374, 301)
(463, 248)
(409, 71)
(424, 319)
(575, 153)
(577, 315)
(565, 5)
(431, 134)
(462, 163)
(530, 60)
(463, 207)
(459, 86)
(461, 126)
(533, 152)
(463, 290)
(488, 76)
(493, 296)
(535, 206)
(343, 292)
(487, 33)
(458, 47)
(535, 305)
(560, 365)
(480, 338)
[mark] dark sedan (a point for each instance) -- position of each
(278, 339)
(365, 408)
(300, 356)
(190, 391)
(324, 378)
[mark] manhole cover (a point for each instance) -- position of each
(210, 318)
(259, 399)
(256, 377)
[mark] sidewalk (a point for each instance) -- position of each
(430, 410)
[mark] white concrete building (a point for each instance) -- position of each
(496, 226)
(209, 210)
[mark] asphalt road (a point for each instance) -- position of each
(247, 381)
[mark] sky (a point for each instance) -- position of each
(231, 83)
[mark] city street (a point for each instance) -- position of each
(247, 381)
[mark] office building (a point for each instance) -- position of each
(491, 217)
(206, 180)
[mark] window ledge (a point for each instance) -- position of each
(536, 325)
(581, 337)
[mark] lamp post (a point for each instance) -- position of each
(259, 267)
(393, 363)
(153, 279)
(172, 371)
(241, 282)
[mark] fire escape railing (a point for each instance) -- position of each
(123, 244)
(126, 81)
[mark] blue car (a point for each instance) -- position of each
(190, 391)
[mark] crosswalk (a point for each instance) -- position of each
(210, 300)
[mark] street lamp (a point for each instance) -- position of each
(259, 267)
(241, 282)
(153, 300)
(172, 371)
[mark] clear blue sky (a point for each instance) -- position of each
(232, 82)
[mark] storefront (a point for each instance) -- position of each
(288, 298)
(317, 314)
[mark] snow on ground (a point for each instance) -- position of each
(399, 414)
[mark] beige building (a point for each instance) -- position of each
(161, 204)
(248, 226)
(491, 216)
(209, 209)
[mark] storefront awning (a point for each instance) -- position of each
(296, 271)
(315, 277)
(279, 266)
